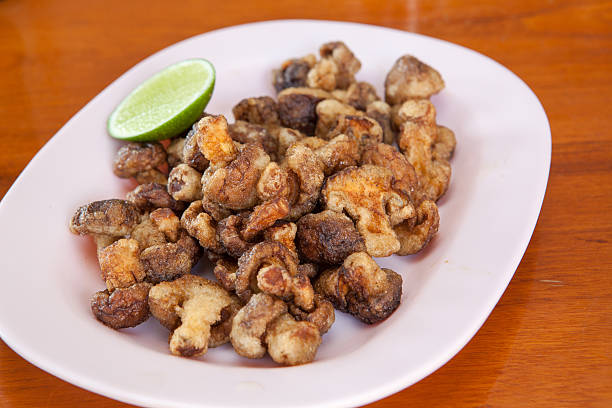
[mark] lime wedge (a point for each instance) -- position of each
(165, 104)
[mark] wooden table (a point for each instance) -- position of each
(548, 343)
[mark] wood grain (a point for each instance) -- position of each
(548, 343)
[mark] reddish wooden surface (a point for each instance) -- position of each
(548, 343)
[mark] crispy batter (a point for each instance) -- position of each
(444, 147)
(278, 182)
(229, 233)
(251, 322)
(361, 288)
(184, 183)
(220, 331)
(214, 141)
(215, 210)
(368, 197)
(276, 280)
(339, 153)
(291, 342)
(293, 72)
(133, 159)
(381, 112)
(120, 264)
(225, 272)
(283, 232)
(107, 217)
(327, 113)
(346, 65)
(189, 306)
(151, 176)
(309, 169)
(418, 138)
(413, 238)
(284, 137)
(309, 270)
(360, 94)
(297, 108)
(171, 260)
(361, 128)
(102, 241)
(175, 151)
(323, 75)
(192, 155)
(147, 234)
(235, 186)
(410, 78)
(150, 196)
(264, 216)
(125, 307)
(328, 237)
(245, 132)
(202, 227)
(323, 316)
(167, 222)
(262, 111)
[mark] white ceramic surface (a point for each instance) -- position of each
(500, 171)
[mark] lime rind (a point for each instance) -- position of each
(166, 104)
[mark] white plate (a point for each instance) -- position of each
(500, 170)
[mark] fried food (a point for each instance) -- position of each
(381, 112)
(297, 108)
(245, 132)
(120, 264)
(107, 217)
(199, 224)
(184, 183)
(214, 141)
(336, 68)
(124, 307)
(309, 169)
(191, 153)
(410, 78)
(141, 161)
(414, 236)
(262, 110)
(150, 196)
(339, 153)
(327, 113)
(168, 261)
(291, 342)
(293, 73)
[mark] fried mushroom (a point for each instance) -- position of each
(381, 112)
(120, 264)
(184, 183)
(309, 169)
(360, 94)
(336, 68)
(192, 155)
(410, 78)
(167, 222)
(262, 110)
(291, 342)
(362, 129)
(361, 288)
(213, 139)
(327, 113)
(169, 261)
(297, 108)
(141, 161)
(107, 217)
(225, 272)
(339, 153)
(323, 315)
(175, 151)
(245, 132)
(230, 235)
(367, 195)
(278, 182)
(124, 307)
(147, 234)
(283, 232)
(264, 216)
(293, 73)
(150, 196)
(200, 225)
(190, 306)
(415, 236)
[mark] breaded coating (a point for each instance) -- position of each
(107, 217)
(265, 215)
(150, 196)
(336, 68)
(225, 272)
(323, 316)
(311, 142)
(367, 195)
(361, 288)
(284, 137)
(404, 177)
(147, 234)
(120, 264)
(309, 169)
(339, 153)
(220, 331)
(175, 151)
(309, 270)
(189, 306)
(200, 225)
(102, 241)
(328, 237)
(235, 186)
(167, 222)
(293, 73)
(444, 147)
(229, 232)
(245, 132)
(381, 112)
(283, 232)
(151, 176)
(278, 182)
(361, 128)
(140, 160)
(125, 307)
(214, 141)
(216, 211)
(184, 183)
(192, 155)
(262, 110)
(251, 322)
(169, 261)
(415, 236)
(297, 108)
(327, 113)
(288, 282)
(418, 138)
(410, 78)
(360, 94)
(291, 342)
(323, 75)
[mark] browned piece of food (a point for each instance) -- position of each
(361, 288)
(175, 151)
(361, 128)
(367, 195)
(167, 222)
(107, 217)
(225, 272)
(293, 73)
(336, 68)
(125, 307)
(200, 225)
(262, 110)
(309, 169)
(415, 236)
(264, 216)
(283, 232)
(328, 237)
(381, 112)
(323, 315)
(309, 270)
(284, 138)
(339, 153)
(297, 108)
(184, 183)
(171, 260)
(220, 331)
(215, 210)
(291, 342)
(404, 177)
(360, 94)
(327, 113)
(278, 182)
(418, 139)
(444, 147)
(245, 132)
(235, 186)
(286, 281)
(189, 307)
(147, 234)
(191, 153)
(120, 264)
(213, 139)
(410, 78)
(150, 196)
(141, 161)
(229, 233)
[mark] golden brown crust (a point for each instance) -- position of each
(290, 342)
(381, 112)
(264, 216)
(323, 315)
(214, 141)
(120, 264)
(184, 183)
(150, 196)
(309, 169)
(360, 94)
(278, 182)
(225, 272)
(139, 159)
(362, 129)
(167, 222)
(283, 232)
(328, 237)
(200, 225)
(414, 238)
(191, 154)
(175, 151)
(327, 113)
(336, 68)
(339, 153)
(169, 261)
(147, 234)
(297, 108)
(245, 132)
(410, 78)
(125, 307)
(229, 233)
(107, 217)
(293, 73)
(262, 110)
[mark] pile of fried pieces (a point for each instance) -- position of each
(290, 203)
